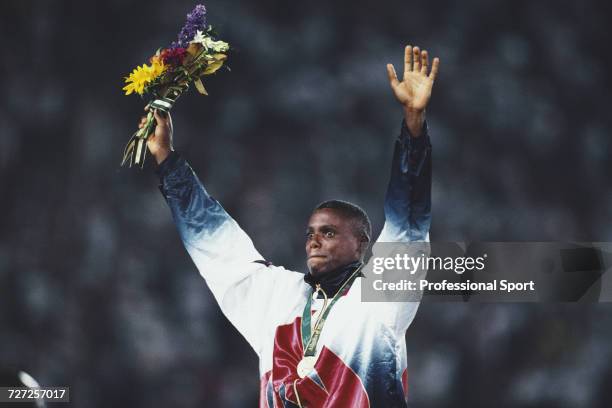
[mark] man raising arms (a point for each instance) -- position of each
(318, 344)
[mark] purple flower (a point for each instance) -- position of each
(196, 20)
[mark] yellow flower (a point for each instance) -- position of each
(156, 59)
(141, 76)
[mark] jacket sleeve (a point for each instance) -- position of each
(408, 207)
(241, 282)
(408, 198)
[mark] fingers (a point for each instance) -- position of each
(407, 60)
(161, 118)
(416, 60)
(424, 62)
(392, 75)
(416, 56)
(434, 69)
(158, 117)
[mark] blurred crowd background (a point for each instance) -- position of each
(96, 291)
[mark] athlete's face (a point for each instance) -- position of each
(331, 242)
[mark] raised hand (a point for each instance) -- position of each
(414, 91)
(159, 142)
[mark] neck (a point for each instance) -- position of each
(332, 281)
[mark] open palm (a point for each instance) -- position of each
(414, 91)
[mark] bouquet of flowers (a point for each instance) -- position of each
(196, 53)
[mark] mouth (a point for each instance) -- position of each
(316, 256)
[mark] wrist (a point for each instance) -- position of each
(162, 154)
(413, 111)
(414, 120)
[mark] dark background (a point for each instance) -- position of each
(96, 291)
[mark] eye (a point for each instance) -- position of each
(329, 234)
(309, 235)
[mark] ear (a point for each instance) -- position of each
(364, 243)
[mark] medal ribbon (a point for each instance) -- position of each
(309, 342)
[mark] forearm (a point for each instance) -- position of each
(415, 118)
(408, 198)
(203, 224)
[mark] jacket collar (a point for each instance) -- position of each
(331, 281)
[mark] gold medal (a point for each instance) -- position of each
(306, 365)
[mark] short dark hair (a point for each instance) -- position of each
(363, 227)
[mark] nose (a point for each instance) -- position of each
(313, 242)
